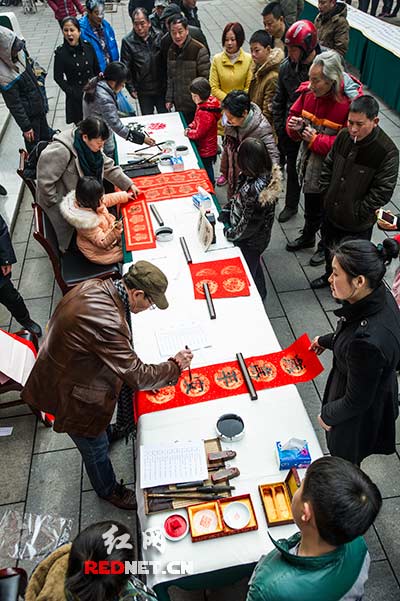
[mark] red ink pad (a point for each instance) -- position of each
(176, 527)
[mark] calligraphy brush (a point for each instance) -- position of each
(190, 371)
(159, 145)
(171, 495)
(202, 489)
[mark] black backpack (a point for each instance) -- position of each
(32, 160)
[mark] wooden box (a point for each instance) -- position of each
(277, 497)
(219, 528)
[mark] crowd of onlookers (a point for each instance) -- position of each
(287, 111)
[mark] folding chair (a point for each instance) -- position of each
(72, 267)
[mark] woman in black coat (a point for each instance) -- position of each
(75, 63)
(360, 403)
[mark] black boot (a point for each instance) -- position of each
(31, 326)
(3, 191)
(306, 240)
(286, 214)
(321, 282)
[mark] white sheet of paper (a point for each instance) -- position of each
(6, 431)
(16, 359)
(172, 463)
(171, 340)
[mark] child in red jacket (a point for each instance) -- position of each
(203, 128)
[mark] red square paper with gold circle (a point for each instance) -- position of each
(225, 278)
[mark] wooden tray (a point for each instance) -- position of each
(221, 529)
(211, 445)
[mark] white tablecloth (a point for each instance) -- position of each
(241, 326)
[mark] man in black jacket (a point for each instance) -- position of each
(9, 295)
(140, 52)
(357, 178)
(20, 89)
(302, 44)
(189, 9)
(196, 33)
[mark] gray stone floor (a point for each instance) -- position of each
(42, 471)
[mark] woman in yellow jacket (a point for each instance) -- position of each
(230, 69)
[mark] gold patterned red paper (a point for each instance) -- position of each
(165, 186)
(138, 230)
(211, 382)
(225, 278)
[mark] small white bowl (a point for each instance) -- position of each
(236, 515)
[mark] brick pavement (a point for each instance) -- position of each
(42, 471)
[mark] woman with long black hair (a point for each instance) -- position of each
(100, 100)
(360, 403)
(75, 62)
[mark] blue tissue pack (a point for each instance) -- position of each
(177, 163)
(299, 458)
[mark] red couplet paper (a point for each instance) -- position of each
(290, 366)
(165, 186)
(225, 278)
(138, 230)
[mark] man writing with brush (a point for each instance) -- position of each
(87, 362)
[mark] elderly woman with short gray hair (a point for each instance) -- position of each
(315, 118)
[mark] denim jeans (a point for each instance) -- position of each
(98, 465)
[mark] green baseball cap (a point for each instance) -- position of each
(145, 276)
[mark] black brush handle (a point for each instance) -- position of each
(246, 376)
(185, 249)
(156, 215)
(210, 304)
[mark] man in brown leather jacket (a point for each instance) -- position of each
(87, 356)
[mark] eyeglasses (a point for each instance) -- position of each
(152, 305)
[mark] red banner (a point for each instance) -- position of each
(290, 366)
(225, 278)
(138, 230)
(165, 186)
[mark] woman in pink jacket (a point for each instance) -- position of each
(65, 8)
(98, 231)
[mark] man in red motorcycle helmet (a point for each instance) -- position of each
(301, 40)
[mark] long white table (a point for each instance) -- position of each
(242, 326)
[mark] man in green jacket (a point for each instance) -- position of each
(328, 559)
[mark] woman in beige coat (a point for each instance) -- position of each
(75, 152)
(98, 231)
